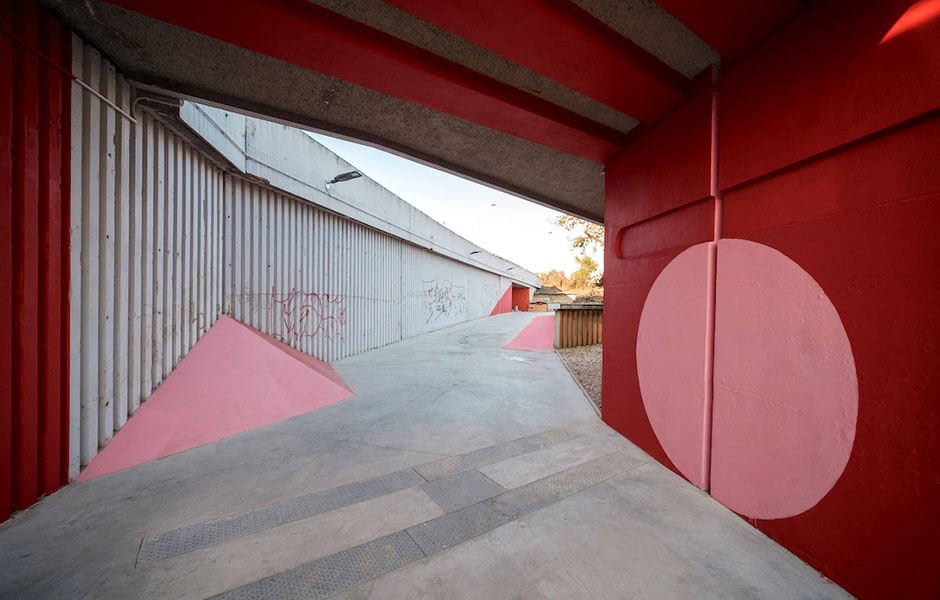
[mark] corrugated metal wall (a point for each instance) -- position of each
(440, 292)
(323, 284)
(145, 253)
(333, 287)
(164, 241)
(161, 241)
(34, 175)
(152, 241)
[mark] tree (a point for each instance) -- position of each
(555, 278)
(586, 275)
(588, 236)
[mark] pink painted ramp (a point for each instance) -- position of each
(539, 334)
(235, 379)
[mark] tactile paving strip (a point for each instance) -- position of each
(208, 533)
(461, 490)
(448, 531)
(452, 465)
(457, 527)
(330, 574)
(543, 492)
(336, 572)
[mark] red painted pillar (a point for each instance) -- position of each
(520, 298)
(26, 400)
(6, 262)
(34, 192)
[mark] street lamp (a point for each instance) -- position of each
(347, 176)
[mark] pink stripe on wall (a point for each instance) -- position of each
(504, 304)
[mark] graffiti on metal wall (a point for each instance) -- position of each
(309, 314)
(443, 298)
(489, 295)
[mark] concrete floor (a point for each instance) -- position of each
(577, 512)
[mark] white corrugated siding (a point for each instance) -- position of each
(324, 284)
(440, 292)
(333, 287)
(145, 254)
(163, 241)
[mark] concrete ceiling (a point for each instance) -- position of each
(528, 96)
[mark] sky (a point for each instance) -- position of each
(515, 229)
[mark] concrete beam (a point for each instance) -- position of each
(198, 66)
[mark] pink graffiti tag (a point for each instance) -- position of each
(309, 314)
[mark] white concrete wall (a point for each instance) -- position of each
(332, 287)
(439, 292)
(321, 283)
(146, 218)
(290, 160)
(165, 238)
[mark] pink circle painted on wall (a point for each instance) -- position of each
(670, 359)
(785, 385)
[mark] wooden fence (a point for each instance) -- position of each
(578, 325)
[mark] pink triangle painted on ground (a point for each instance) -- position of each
(233, 380)
(539, 334)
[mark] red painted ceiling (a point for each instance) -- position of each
(566, 44)
(556, 39)
(315, 38)
(732, 27)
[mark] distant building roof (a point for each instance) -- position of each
(549, 289)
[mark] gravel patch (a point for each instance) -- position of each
(584, 363)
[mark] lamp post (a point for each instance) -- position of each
(347, 176)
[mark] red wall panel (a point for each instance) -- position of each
(34, 192)
(829, 137)
(623, 305)
(665, 168)
(6, 265)
(864, 223)
(657, 205)
(520, 298)
(830, 78)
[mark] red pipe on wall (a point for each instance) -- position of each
(712, 282)
(35, 53)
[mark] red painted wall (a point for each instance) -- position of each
(657, 205)
(34, 191)
(828, 142)
(520, 298)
